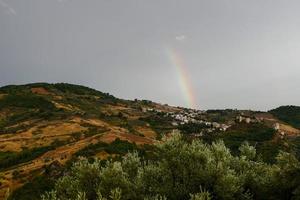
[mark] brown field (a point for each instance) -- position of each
(40, 90)
(2, 95)
(41, 135)
(110, 137)
(61, 154)
(289, 130)
(102, 155)
(10, 146)
(146, 131)
(93, 122)
(64, 106)
(62, 130)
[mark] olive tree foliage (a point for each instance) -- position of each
(183, 170)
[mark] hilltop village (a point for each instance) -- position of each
(219, 121)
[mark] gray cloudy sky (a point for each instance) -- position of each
(237, 53)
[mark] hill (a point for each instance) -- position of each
(44, 128)
(288, 114)
(41, 123)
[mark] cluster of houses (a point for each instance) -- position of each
(247, 119)
(191, 116)
(184, 116)
(276, 127)
(188, 116)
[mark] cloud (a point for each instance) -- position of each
(8, 9)
(180, 37)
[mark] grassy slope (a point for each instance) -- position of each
(19, 105)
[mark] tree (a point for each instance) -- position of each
(183, 170)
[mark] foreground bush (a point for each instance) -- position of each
(183, 170)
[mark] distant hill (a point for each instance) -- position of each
(288, 114)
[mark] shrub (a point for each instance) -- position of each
(33, 190)
(26, 101)
(116, 147)
(257, 135)
(191, 128)
(9, 159)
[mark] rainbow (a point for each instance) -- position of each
(183, 77)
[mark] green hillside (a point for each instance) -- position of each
(288, 114)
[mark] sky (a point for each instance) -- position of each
(204, 54)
